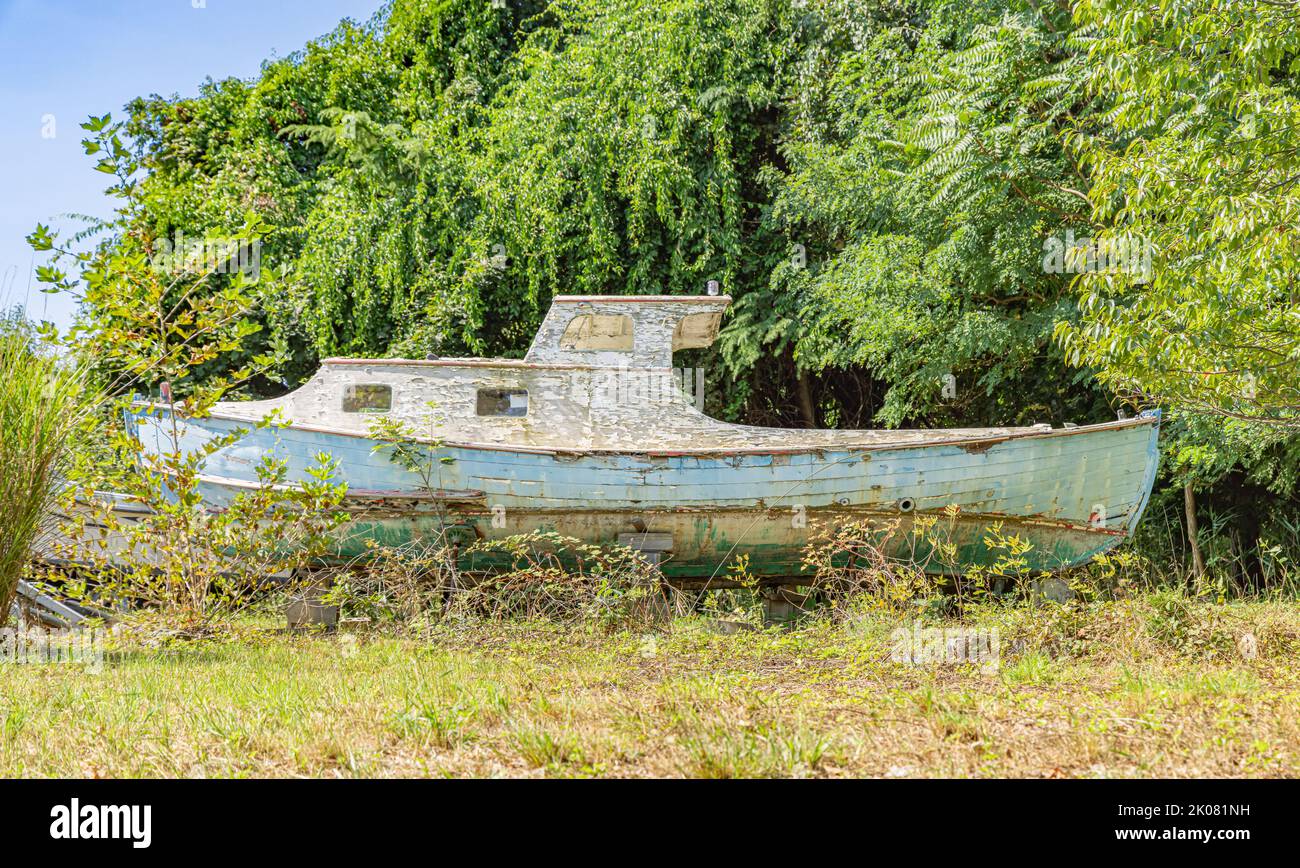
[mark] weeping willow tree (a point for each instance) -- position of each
(432, 177)
(437, 173)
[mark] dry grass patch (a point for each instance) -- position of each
(1093, 690)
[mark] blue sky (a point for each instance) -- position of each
(74, 58)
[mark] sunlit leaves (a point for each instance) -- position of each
(1205, 166)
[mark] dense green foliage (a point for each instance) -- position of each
(902, 195)
(1202, 163)
(924, 181)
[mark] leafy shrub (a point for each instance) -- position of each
(539, 575)
(1184, 624)
(196, 564)
(42, 402)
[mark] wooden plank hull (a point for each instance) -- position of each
(707, 541)
(1071, 493)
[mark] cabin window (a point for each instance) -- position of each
(696, 331)
(596, 332)
(367, 398)
(502, 402)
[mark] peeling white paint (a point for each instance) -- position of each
(577, 399)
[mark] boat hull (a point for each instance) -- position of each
(707, 543)
(1070, 493)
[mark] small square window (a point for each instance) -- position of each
(502, 402)
(369, 398)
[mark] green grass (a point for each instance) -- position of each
(1090, 690)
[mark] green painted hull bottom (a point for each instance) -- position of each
(707, 543)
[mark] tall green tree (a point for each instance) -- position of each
(1203, 167)
(1198, 169)
(920, 194)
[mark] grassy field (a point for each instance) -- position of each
(1157, 686)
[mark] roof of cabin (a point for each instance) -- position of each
(638, 331)
(583, 379)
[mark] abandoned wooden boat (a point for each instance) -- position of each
(593, 435)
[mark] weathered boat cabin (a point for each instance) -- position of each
(594, 434)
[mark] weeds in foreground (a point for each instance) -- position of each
(197, 565)
(43, 400)
(727, 752)
(525, 577)
(547, 747)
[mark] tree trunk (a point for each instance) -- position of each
(806, 407)
(1189, 507)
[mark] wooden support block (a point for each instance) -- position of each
(782, 604)
(647, 542)
(305, 608)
